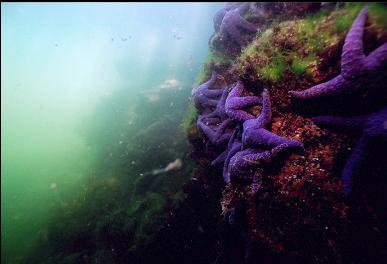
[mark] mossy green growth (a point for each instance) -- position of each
(275, 69)
(300, 66)
(283, 46)
(265, 39)
(215, 59)
(313, 40)
(203, 75)
(145, 212)
(189, 117)
(318, 16)
(249, 51)
(378, 15)
(344, 22)
(294, 46)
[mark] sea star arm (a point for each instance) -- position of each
(234, 145)
(211, 81)
(233, 19)
(220, 159)
(377, 124)
(213, 92)
(219, 114)
(239, 115)
(209, 118)
(206, 85)
(353, 165)
(264, 118)
(373, 128)
(226, 175)
(355, 124)
(242, 23)
(224, 138)
(235, 96)
(235, 102)
(243, 8)
(214, 135)
(334, 86)
(256, 157)
(218, 19)
(228, 27)
(263, 137)
(243, 164)
(237, 90)
(355, 67)
(199, 94)
(220, 108)
(377, 60)
(352, 57)
(209, 103)
(241, 102)
(239, 167)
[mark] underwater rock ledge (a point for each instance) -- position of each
(294, 205)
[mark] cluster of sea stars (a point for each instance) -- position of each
(225, 118)
(359, 73)
(249, 142)
(229, 21)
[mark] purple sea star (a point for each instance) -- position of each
(220, 111)
(235, 103)
(243, 164)
(233, 21)
(217, 118)
(218, 135)
(220, 14)
(254, 134)
(234, 145)
(374, 130)
(357, 70)
(203, 96)
(234, 216)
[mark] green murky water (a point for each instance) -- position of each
(92, 101)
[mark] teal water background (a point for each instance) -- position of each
(60, 62)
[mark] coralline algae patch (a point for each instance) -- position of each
(299, 208)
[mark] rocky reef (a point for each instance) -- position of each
(309, 190)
